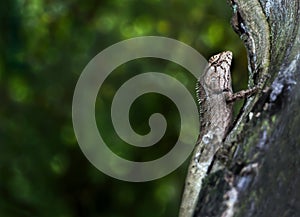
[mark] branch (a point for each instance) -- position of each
(261, 176)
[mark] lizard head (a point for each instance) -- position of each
(217, 75)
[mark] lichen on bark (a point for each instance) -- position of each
(262, 169)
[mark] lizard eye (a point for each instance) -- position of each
(213, 58)
(226, 90)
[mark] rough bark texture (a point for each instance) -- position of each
(262, 174)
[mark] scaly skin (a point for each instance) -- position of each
(215, 98)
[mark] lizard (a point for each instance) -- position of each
(215, 98)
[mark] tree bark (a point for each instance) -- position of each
(261, 176)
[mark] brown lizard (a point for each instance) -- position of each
(215, 97)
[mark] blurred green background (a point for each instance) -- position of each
(45, 44)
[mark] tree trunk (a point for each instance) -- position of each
(262, 163)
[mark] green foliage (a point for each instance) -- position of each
(44, 47)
